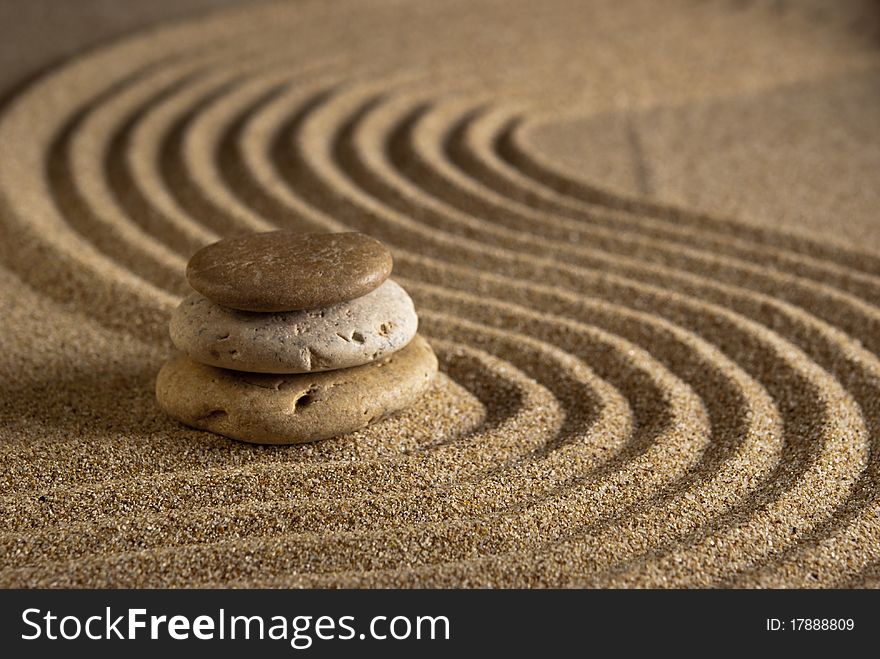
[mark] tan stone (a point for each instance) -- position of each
(288, 271)
(290, 409)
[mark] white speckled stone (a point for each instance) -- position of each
(341, 336)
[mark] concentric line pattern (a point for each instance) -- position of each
(632, 394)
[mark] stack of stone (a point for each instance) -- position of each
(292, 338)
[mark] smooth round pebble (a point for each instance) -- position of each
(291, 409)
(289, 271)
(347, 334)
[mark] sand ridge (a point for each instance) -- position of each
(634, 393)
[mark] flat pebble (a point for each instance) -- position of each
(346, 334)
(291, 409)
(289, 271)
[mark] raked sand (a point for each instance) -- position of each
(643, 238)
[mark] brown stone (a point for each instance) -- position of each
(290, 409)
(289, 271)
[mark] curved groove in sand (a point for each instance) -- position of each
(512, 146)
(471, 147)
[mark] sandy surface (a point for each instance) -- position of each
(644, 243)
